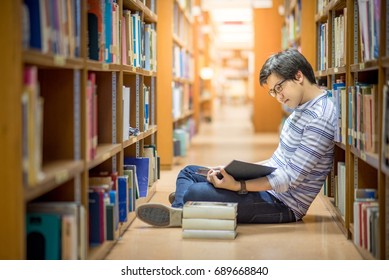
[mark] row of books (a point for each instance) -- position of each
(52, 27)
(366, 221)
(32, 127)
(112, 197)
(369, 24)
(210, 220)
(360, 127)
(183, 63)
(57, 229)
(339, 42)
(145, 117)
(182, 99)
(139, 42)
(103, 31)
(33, 120)
(340, 188)
(181, 18)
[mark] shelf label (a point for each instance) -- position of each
(59, 60)
(363, 156)
(61, 176)
(361, 66)
(105, 66)
(336, 70)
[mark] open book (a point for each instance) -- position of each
(242, 170)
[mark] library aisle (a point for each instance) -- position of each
(230, 136)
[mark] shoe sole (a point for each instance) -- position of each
(159, 215)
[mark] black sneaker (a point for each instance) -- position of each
(172, 197)
(159, 215)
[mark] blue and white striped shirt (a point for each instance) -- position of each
(304, 155)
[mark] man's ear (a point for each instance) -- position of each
(299, 76)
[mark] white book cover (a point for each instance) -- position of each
(126, 112)
(210, 210)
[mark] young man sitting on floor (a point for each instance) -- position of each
(303, 158)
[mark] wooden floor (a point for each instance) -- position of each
(230, 136)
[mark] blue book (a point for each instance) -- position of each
(110, 224)
(96, 217)
(34, 23)
(43, 236)
(113, 199)
(142, 172)
(123, 198)
(77, 27)
(93, 35)
(108, 31)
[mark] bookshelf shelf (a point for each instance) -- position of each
(336, 70)
(52, 61)
(103, 153)
(364, 66)
(371, 159)
(55, 174)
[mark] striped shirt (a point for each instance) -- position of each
(304, 155)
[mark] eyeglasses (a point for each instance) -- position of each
(277, 88)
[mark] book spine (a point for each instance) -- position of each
(209, 224)
(209, 234)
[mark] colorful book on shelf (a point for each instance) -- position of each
(142, 172)
(210, 210)
(209, 224)
(43, 232)
(96, 43)
(130, 170)
(129, 37)
(108, 32)
(123, 198)
(208, 234)
(97, 219)
(150, 151)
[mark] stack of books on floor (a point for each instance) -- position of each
(209, 220)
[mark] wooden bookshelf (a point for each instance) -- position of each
(63, 80)
(364, 161)
(175, 84)
(264, 104)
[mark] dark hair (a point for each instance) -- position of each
(286, 64)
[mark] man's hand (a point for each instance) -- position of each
(227, 182)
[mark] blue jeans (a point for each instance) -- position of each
(254, 207)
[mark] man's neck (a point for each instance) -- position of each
(311, 91)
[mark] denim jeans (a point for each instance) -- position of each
(254, 207)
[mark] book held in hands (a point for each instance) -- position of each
(241, 170)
